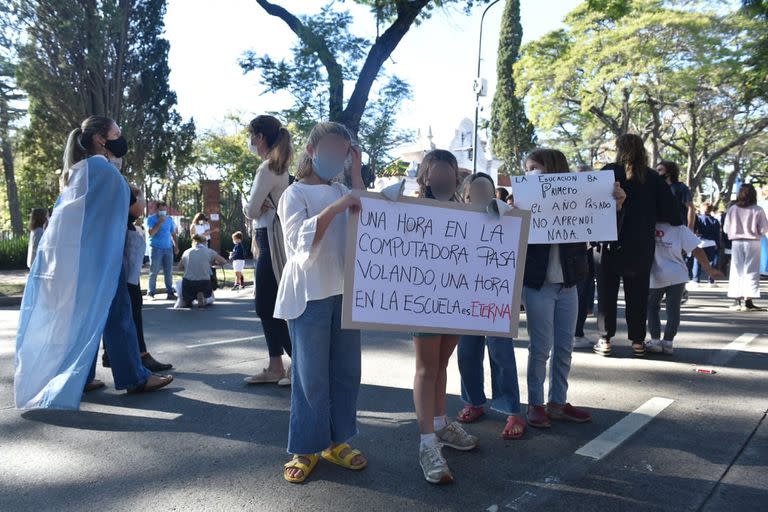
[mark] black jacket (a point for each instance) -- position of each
(573, 258)
(647, 203)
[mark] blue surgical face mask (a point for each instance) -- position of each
(327, 167)
(163, 213)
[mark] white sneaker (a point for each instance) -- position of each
(582, 342)
(713, 285)
(654, 346)
(667, 347)
(434, 466)
(287, 379)
(454, 436)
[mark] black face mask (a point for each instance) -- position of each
(118, 147)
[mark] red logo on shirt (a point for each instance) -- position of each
(659, 233)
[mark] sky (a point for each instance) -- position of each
(438, 58)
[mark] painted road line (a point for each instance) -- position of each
(728, 352)
(127, 411)
(606, 442)
(225, 342)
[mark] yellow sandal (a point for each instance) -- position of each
(305, 469)
(334, 455)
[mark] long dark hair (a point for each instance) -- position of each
(278, 140)
(436, 155)
(747, 196)
(37, 218)
(80, 144)
(631, 153)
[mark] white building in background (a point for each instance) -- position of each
(460, 146)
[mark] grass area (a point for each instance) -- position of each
(11, 289)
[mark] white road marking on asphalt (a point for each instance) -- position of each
(127, 411)
(606, 442)
(729, 351)
(224, 342)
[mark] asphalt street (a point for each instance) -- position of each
(664, 436)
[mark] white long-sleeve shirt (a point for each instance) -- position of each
(311, 273)
(265, 184)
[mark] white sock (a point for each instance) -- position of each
(428, 440)
(440, 422)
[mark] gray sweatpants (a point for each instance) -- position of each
(674, 295)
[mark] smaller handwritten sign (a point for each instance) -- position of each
(436, 267)
(568, 207)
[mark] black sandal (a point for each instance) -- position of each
(639, 349)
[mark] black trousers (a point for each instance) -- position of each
(265, 286)
(137, 301)
(586, 290)
(609, 272)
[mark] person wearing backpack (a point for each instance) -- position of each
(271, 141)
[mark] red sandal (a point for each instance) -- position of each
(512, 422)
(470, 414)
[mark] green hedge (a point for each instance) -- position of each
(13, 253)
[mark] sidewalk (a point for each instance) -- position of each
(12, 282)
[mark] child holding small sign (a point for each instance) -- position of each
(438, 179)
(326, 358)
(501, 351)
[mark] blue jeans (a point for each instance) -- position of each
(506, 390)
(698, 270)
(161, 258)
(551, 319)
(326, 378)
(121, 341)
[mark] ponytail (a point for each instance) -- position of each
(80, 143)
(281, 152)
(73, 153)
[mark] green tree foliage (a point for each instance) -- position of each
(226, 153)
(512, 132)
(674, 72)
(328, 56)
(86, 57)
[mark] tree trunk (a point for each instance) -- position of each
(17, 225)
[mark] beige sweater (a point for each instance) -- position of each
(748, 223)
(266, 184)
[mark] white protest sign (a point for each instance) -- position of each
(568, 207)
(438, 267)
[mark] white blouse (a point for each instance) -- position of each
(310, 273)
(266, 184)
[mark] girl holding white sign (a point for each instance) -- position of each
(551, 305)
(501, 351)
(438, 179)
(326, 358)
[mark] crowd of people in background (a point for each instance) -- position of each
(299, 236)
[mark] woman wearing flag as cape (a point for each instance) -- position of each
(76, 289)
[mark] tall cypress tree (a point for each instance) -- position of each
(512, 132)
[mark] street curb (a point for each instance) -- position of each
(10, 301)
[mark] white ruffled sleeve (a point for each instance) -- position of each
(298, 228)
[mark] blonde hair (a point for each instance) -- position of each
(434, 156)
(80, 142)
(320, 131)
(551, 159)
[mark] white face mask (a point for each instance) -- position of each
(253, 149)
(531, 173)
